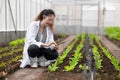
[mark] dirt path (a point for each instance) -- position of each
(34, 74)
(114, 49)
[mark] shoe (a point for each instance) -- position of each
(43, 61)
(46, 63)
(52, 60)
(43, 64)
(33, 62)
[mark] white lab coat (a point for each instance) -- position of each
(32, 37)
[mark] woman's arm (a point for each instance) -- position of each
(31, 34)
(51, 39)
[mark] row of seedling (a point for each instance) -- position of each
(112, 59)
(61, 58)
(96, 55)
(77, 56)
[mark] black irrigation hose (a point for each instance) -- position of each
(88, 53)
(87, 57)
(85, 72)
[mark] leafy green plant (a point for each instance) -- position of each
(113, 60)
(3, 64)
(81, 67)
(15, 59)
(53, 67)
(2, 49)
(97, 57)
(73, 62)
(16, 42)
(113, 32)
(10, 56)
(12, 52)
(12, 60)
(87, 68)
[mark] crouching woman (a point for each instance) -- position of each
(40, 47)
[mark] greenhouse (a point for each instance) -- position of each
(59, 39)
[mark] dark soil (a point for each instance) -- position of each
(58, 38)
(8, 58)
(107, 72)
(82, 62)
(59, 74)
(15, 65)
(66, 61)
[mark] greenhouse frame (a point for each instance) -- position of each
(86, 37)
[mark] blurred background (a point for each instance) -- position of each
(72, 16)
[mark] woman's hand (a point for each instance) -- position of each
(48, 44)
(55, 47)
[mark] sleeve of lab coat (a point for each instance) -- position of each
(31, 34)
(51, 36)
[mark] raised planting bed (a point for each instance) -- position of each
(113, 34)
(60, 37)
(84, 59)
(116, 42)
(35, 74)
(9, 55)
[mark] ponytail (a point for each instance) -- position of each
(45, 12)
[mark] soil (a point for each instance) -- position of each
(59, 74)
(7, 58)
(107, 72)
(82, 62)
(117, 42)
(15, 65)
(66, 61)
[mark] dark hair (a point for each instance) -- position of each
(45, 12)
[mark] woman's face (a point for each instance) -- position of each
(49, 20)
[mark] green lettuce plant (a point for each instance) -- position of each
(97, 57)
(16, 42)
(113, 32)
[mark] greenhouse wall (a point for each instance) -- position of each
(16, 15)
(75, 18)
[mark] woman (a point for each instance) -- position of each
(40, 48)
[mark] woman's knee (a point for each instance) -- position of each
(51, 55)
(32, 50)
(56, 54)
